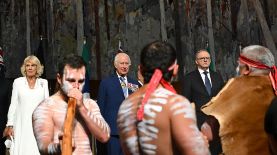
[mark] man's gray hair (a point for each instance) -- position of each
(117, 57)
(260, 54)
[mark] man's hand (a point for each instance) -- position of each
(61, 142)
(207, 131)
(8, 131)
(205, 139)
(77, 94)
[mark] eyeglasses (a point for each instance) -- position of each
(204, 58)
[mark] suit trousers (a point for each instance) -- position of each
(113, 146)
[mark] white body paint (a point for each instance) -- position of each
(144, 136)
(50, 115)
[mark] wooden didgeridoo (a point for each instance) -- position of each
(68, 125)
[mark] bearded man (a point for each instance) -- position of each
(241, 105)
(49, 116)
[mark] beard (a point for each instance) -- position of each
(66, 87)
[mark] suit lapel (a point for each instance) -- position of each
(199, 78)
(212, 74)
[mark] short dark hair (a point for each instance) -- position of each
(157, 55)
(73, 60)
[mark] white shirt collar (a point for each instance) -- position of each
(125, 77)
(201, 71)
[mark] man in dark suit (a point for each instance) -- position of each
(200, 86)
(112, 91)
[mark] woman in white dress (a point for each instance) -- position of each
(28, 91)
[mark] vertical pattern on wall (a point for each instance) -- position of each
(97, 36)
(211, 33)
(266, 32)
(28, 28)
(107, 19)
(178, 16)
(14, 36)
(245, 15)
(80, 26)
(162, 19)
(50, 55)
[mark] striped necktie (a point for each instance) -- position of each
(124, 86)
(207, 83)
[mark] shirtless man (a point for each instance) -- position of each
(49, 116)
(154, 119)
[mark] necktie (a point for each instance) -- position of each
(207, 83)
(124, 86)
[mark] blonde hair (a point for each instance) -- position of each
(34, 60)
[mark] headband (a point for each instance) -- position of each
(259, 65)
(156, 79)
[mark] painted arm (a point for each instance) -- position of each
(43, 127)
(93, 119)
(126, 122)
(184, 129)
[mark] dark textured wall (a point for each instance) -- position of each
(134, 23)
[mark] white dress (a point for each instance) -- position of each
(23, 102)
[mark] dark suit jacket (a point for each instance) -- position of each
(110, 97)
(195, 90)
